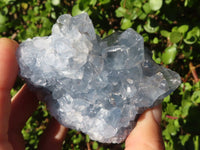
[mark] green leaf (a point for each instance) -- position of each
(165, 33)
(145, 37)
(167, 99)
(137, 3)
(120, 12)
(175, 37)
(155, 4)
(146, 7)
(95, 145)
(185, 107)
(169, 55)
(184, 138)
(151, 26)
(87, 138)
(76, 10)
(3, 19)
(142, 16)
(13, 92)
(104, 1)
(196, 97)
(93, 2)
(126, 23)
(192, 36)
(183, 28)
(190, 40)
(170, 108)
(3, 28)
(84, 4)
(175, 29)
(55, 2)
(139, 28)
(168, 1)
(155, 40)
(156, 59)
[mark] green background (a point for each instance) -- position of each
(171, 29)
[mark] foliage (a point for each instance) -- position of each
(171, 29)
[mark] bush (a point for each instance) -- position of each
(171, 29)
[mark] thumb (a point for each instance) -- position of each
(147, 132)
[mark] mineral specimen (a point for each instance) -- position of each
(93, 85)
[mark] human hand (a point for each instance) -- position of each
(14, 113)
(147, 132)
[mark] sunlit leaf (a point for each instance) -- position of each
(151, 26)
(155, 4)
(169, 55)
(165, 33)
(175, 37)
(126, 23)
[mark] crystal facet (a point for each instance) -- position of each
(93, 85)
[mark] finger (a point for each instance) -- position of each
(8, 74)
(147, 133)
(53, 136)
(23, 104)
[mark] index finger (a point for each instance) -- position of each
(8, 74)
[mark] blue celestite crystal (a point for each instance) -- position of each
(93, 85)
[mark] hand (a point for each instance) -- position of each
(14, 113)
(147, 132)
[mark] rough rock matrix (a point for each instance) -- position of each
(93, 85)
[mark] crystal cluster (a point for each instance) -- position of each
(92, 85)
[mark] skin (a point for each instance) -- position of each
(15, 112)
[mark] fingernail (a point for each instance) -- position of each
(157, 113)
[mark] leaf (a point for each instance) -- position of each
(155, 40)
(137, 3)
(145, 37)
(76, 10)
(126, 23)
(95, 145)
(175, 29)
(139, 29)
(190, 40)
(3, 28)
(192, 35)
(120, 12)
(169, 55)
(142, 16)
(146, 7)
(185, 107)
(3, 19)
(187, 86)
(175, 37)
(170, 108)
(196, 97)
(155, 4)
(165, 33)
(151, 26)
(55, 2)
(156, 59)
(168, 1)
(183, 28)
(104, 1)
(93, 2)
(167, 99)
(84, 4)
(87, 138)
(13, 92)
(184, 138)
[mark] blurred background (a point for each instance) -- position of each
(171, 30)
